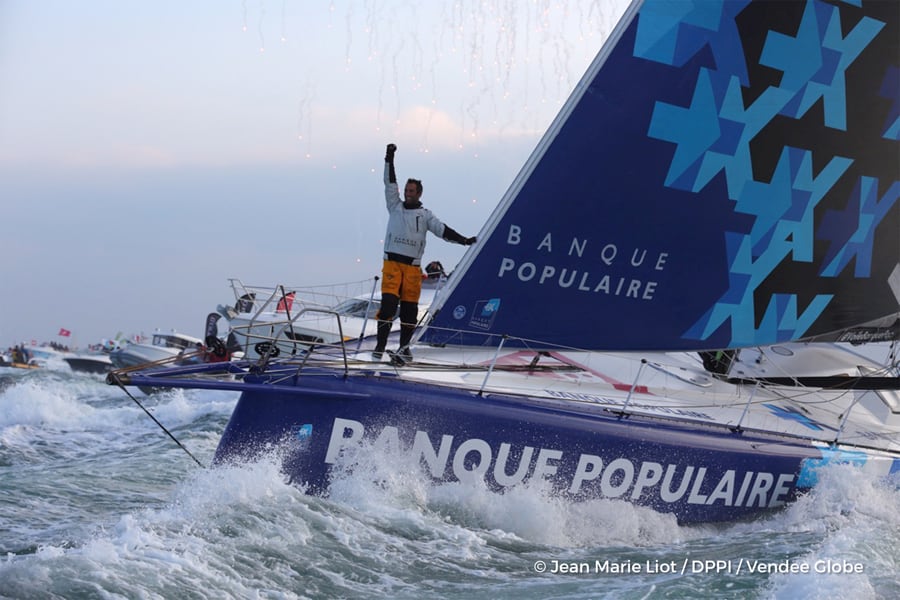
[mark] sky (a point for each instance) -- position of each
(151, 151)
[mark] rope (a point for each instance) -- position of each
(115, 377)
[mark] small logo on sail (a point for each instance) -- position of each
(484, 313)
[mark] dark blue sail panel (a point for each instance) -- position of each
(726, 175)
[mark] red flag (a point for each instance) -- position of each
(64, 332)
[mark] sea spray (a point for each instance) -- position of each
(108, 506)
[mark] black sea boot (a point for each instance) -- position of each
(408, 313)
(406, 333)
(385, 316)
(384, 329)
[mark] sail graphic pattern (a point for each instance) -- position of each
(728, 177)
(814, 63)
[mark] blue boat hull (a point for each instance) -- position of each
(699, 473)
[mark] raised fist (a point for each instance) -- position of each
(389, 155)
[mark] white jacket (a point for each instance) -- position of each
(407, 227)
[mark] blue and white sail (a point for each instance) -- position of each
(725, 175)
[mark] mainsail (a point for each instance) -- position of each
(725, 175)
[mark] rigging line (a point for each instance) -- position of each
(114, 377)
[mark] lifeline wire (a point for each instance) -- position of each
(149, 414)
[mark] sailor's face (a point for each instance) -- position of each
(410, 193)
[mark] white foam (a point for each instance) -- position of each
(34, 402)
(183, 407)
(854, 515)
(376, 480)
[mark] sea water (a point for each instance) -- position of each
(97, 502)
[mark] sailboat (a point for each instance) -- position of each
(665, 306)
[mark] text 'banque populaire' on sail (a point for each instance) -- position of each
(609, 254)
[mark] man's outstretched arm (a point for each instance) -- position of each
(451, 235)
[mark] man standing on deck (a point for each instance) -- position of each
(404, 245)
